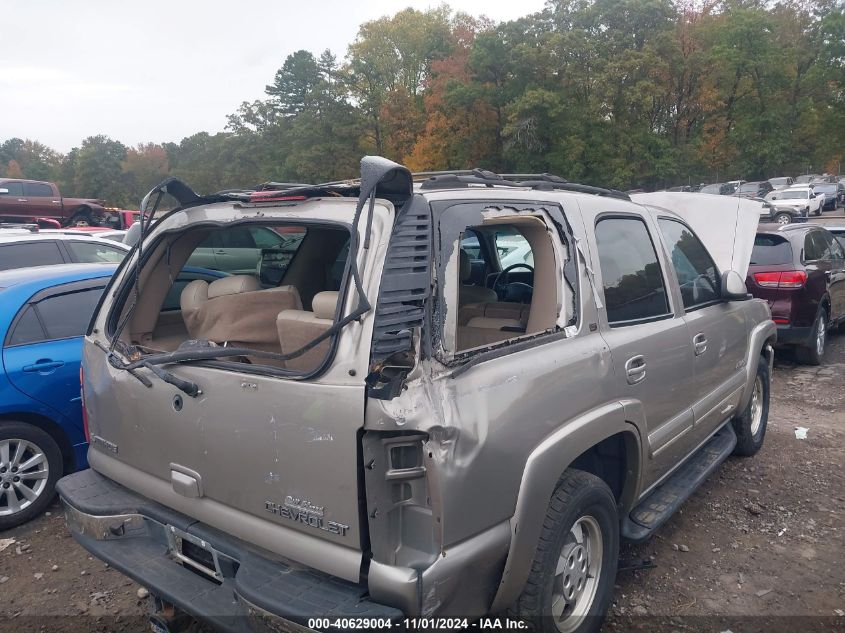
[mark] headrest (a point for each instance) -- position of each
(324, 304)
(466, 266)
(193, 295)
(232, 285)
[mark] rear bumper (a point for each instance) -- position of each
(791, 335)
(222, 580)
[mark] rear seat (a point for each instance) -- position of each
(483, 330)
(495, 310)
(296, 328)
(236, 310)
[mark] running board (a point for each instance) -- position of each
(663, 501)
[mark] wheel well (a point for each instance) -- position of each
(613, 460)
(825, 303)
(52, 429)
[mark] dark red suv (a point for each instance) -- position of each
(800, 270)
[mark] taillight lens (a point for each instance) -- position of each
(782, 279)
(84, 410)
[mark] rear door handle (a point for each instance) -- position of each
(635, 369)
(22, 200)
(45, 364)
(699, 343)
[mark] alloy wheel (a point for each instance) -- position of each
(24, 471)
(757, 406)
(577, 574)
(821, 336)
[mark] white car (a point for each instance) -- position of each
(799, 198)
(114, 235)
(45, 249)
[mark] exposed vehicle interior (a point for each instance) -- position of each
(280, 291)
(501, 263)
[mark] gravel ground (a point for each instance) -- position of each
(759, 547)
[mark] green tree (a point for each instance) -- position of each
(97, 170)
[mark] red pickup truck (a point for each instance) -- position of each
(32, 200)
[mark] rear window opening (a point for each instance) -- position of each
(263, 287)
(770, 250)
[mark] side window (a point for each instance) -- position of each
(834, 248)
(27, 328)
(471, 245)
(15, 188)
(813, 247)
(265, 238)
(633, 280)
(695, 269)
(237, 237)
(91, 253)
(512, 248)
(37, 190)
(68, 315)
(29, 254)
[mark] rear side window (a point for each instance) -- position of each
(27, 328)
(695, 269)
(633, 281)
(815, 247)
(68, 315)
(770, 250)
(15, 188)
(92, 253)
(29, 254)
(37, 190)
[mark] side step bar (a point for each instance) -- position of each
(663, 501)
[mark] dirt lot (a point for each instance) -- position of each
(760, 547)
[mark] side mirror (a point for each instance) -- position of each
(733, 287)
(4, 192)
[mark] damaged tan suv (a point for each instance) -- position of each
(385, 422)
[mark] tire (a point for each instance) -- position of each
(14, 435)
(783, 218)
(581, 502)
(813, 352)
(750, 426)
(81, 218)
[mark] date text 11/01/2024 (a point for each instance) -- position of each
(431, 624)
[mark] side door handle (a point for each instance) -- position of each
(44, 364)
(22, 200)
(635, 369)
(699, 343)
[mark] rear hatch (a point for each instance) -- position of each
(772, 274)
(272, 460)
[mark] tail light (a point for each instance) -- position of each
(84, 410)
(781, 279)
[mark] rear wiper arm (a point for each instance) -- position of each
(185, 386)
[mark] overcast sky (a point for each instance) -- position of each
(161, 70)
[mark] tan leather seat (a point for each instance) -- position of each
(481, 330)
(296, 328)
(495, 310)
(469, 293)
(236, 310)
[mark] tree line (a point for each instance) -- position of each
(620, 93)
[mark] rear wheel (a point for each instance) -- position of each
(30, 465)
(813, 352)
(571, 581)
(81, 218)
(750, 427)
